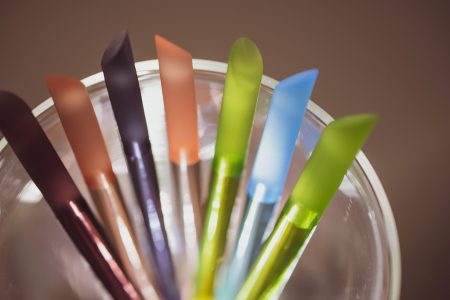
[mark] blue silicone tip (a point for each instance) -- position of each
(281, 129)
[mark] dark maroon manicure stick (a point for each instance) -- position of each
(32, 147)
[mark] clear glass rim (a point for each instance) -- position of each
(322, 116)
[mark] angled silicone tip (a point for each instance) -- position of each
(243, 79)
(78, 118)
(334, 153)
(177, 80)
(281, 130)
(124, 91)
(32, 147)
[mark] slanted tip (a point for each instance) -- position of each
(246, 64)
(11, 106)
(343, 138)
(352, 129)
(69, 95)
(293, 93)
(7, 98)
(6, 95)
(62, 84)
(117, 46)
(159, 39)
(165, 48)
(301, 81)
(175, 66)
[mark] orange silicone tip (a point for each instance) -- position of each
(177, 80)
(82, 130)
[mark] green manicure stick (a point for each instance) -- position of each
(240, 95)
(319, 181)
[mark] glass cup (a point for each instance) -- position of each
(354, 253)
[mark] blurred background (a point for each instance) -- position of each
(391, 59)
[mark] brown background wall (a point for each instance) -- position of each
(392, 59)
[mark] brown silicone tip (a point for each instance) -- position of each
(78, 118)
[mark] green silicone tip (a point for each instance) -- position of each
(240, 95)
(330, 160)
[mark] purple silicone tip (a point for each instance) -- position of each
(123, 88)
